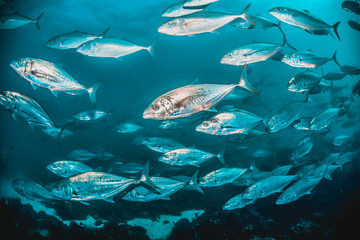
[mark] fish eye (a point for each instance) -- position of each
(206, 124)
(168, 24)
(21, 62)
(156, 107)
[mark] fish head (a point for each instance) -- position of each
(230, 59)
(56, 167)
(295, 86)
(278, 11)
(62, 190)
(7, 100)
(253, 192)
(171, 11)
(210, 126)
(20, 186)
(170, 157)
(22, 66)
(160, 109)
(172, 27)
(53, 43)
(86, 48)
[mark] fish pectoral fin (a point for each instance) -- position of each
(55, 93)
(14, 116)
(109, 200)
(34, 86)
(215, 31)
(165, 198)
(212, 109)
(121, 59)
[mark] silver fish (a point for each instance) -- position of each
(253, 52)
(72, 39)
(90, 115)
(228, 123)
(324, 119)
(197, 3)
(297, 190)
(177, 10)
(191, 99)
(160, 144)
(342, 140)
(130, 168)
(48, 75)
(199, 22)
(354, 24)
(237, 202)
(68, 168)
(307, 59)
(351, 70)
(304, 20)
(323, 170)
(26, 108)
(127, 127)
(303, 147)
(13, 21)
(221, 177)
(268, 186)
(188, 156)
(111, 48)
(285, 116)
(351, 6)
(304, 82)
(338, 75)
(32, 190)
(303, 123)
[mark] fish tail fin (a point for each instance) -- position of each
(92, 91)
(244, 14)
(145, 176)
(37, 20)
(335, 26)
(150, 48)
(104, 32)
(285, 42)
(63, 128)
(335, 59)
(254, 168)
(193, 182)
(220, 156)
(244, 82)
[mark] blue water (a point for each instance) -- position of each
(132, 84)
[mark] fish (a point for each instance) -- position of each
(304, 20)
(303, 123)
(356, 89)
(324, 119)
(228, 123)
(253, 52)
(354, 24)
(221, 177)
(48, 75)
(22, 106)
(297, 190)
(197, 3)
(191, 99)
(189, 156)
(237, 202)
(160, 144)
(112, 48)
(303, 147)
(350, 70)
(177, 10)
(82, 155)
(32, 190)
(285, 116)
(254, 175)
(57, 132)
(336, 75)
(127, 127)
(323, 170)
(260, 22)
(307, 59)
(96, 186)
(304, 82)
(351, 6)
(261, 153)
(68, 168)
(72, 40)
(91, 115)
(342, 140)
(268, 186)
(130, 168)
(14, 21)
(200, 22)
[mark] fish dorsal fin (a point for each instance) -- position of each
(307, 11)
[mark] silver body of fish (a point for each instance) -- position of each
(32, 190)
(304, 82)
(237, 202)
(324, 119)
(303, 147)
(127, 127)
(90, 115)
(221, 177)
(68, 168)
(177, 10)
(197, 3)
(228, 123)
(306, 59)
(188, 156)
(13, 21)
(48, 75)
(160, 144)
(191, 99)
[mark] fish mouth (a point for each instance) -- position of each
(148, 115)
(13, 64)
(161, 29)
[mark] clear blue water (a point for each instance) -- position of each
(132, 84)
